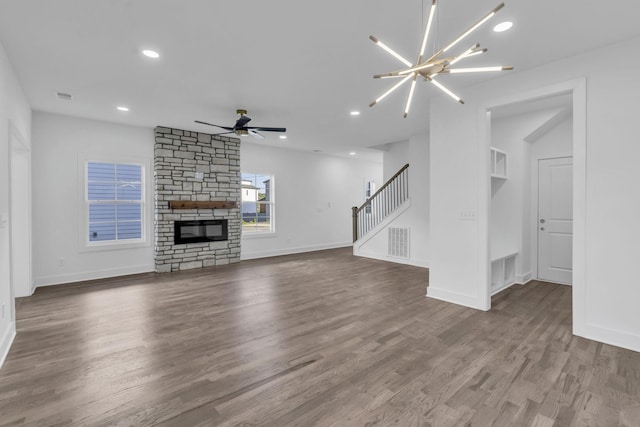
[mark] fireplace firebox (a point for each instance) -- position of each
(207, 230)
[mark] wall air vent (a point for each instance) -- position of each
(64, 95)
(398, 242)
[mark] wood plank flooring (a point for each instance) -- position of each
(316, 339)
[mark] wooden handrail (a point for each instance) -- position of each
(376, 208)
(385, 185)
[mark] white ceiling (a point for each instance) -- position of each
(301, 65)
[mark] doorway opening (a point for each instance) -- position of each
(531, 191)
(521, 258)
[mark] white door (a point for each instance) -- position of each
(555, 219)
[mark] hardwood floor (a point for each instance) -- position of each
(322, 339)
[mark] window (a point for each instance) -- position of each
(257, 203)
(115, 202)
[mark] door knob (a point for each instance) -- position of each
(542, 221)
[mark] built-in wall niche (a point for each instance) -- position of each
(498, 163)
(503, 272)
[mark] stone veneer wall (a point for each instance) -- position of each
(200, 167)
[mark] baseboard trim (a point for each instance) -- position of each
(92, 275)
(291, 251)
(7, 340)
(610, 336)
(503, 287)
(433, 291)
(411, 261)
(523, 279)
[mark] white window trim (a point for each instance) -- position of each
(84, 245)
(272, 202)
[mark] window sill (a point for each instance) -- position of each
(113, 246)
(259, 235)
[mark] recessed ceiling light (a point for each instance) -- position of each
(503, 26)
(355, 113)
(353, 153)
(151, 53)
(122, 108)
(283, 136)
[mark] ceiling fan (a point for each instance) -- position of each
(241, 128)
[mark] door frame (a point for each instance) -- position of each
(578, 89)
(535, 176)
(19, 147)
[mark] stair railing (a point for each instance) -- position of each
(387, 199)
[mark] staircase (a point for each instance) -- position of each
(381, 204)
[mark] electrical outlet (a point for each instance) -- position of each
(60, 262)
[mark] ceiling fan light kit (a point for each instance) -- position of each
(241, 128)
(436, 64)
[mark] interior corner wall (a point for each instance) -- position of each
(314, 194)
(415, 152)
(605, 299)
(59, 144)
(15, 113)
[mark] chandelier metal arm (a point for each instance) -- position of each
(413, 86)
(391, 51)
(466, 33)
(445, 90)
(476, 69)
(427, 30)
(473, 50)
(473, 27)
(396, 86)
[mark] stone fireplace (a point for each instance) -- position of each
(197, 181)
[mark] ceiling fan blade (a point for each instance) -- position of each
(256, 128)
(242, 121)
(211, 124)
(255, 134)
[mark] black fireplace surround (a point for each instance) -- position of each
(207, 230)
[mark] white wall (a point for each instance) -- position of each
(60, 145)
(606, 229)
(15, 120)
(314, 194)
(396, 156)
(415, 152)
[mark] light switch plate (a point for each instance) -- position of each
(468, 215)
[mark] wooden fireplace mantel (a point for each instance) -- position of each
(212, 204)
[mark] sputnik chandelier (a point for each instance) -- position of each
(435, 64)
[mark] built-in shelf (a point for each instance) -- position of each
(503, 272)
(212, 204)
(498, 163)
